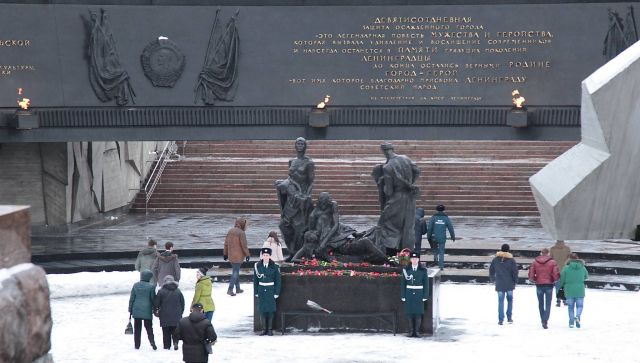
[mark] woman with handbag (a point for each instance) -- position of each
(169, 305)
(202, 295)
(572, 279)
(141, 308)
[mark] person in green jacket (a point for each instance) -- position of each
(414, 292)
(572, 279)
(202, 294)
(141, 308)
(266, 287)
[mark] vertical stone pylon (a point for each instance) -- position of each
(592, 191)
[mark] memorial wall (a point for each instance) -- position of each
(465, 55)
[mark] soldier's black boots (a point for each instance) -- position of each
(267, 323)
(416, 327)
(412, 332)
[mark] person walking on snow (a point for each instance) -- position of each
(504, 272)
(544, 273)
(169, 305)
(236, 251)
(572, 279)
(141, 308)
(146, 257)
(166, 264)
(202, 294)
(560, 253)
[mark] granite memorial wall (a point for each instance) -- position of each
(436, 55)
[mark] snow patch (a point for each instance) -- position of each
(7, 273)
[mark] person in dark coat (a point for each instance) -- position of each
(266, 287)
(166, 264)
(504, 272)
(195, 331)
(414, 292)
(544, 273)
(169, 305)
(437, 234)
(141, 308)
(420, 228)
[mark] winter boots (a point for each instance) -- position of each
(267, 323)
(415, 323)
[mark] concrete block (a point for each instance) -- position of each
(593, 191)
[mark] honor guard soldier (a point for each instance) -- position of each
(414, 292)
(266, 287)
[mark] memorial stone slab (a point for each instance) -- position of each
(432, 55)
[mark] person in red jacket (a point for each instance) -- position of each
(544, 273)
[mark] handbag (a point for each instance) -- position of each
(560, 294)
(129, 329)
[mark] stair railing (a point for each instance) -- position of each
(170, 150)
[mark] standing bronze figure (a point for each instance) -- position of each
(294, 198)
(397, 196)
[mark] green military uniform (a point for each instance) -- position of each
(266, 287)
(415, 289)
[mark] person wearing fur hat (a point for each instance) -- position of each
(202, 294)
(169, 305)
(572, 279)
(504, 273)
(437, 234)
(266, 287)
(414, 292)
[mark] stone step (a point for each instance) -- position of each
(271, 195)
(351, 211)
(266, 164)
(353, 200)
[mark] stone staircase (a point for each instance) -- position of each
(472, 178)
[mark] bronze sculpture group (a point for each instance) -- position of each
(315, 231)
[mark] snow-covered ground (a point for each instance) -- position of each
(90, 314)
